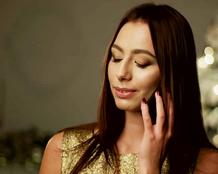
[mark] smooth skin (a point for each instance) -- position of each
(154, 142)
(207, 161)
(133, 65)
(138, 70)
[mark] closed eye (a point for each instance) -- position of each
(141, 65)
(115, 59)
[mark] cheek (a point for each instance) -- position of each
(110, 72)
(149, 80)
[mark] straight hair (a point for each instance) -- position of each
(175, 51)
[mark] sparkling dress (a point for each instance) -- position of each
(73, 137)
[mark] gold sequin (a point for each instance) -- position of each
(73, 137)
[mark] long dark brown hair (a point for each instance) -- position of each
(174, 47)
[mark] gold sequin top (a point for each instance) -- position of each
(73, 137)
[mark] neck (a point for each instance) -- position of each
(132, 133)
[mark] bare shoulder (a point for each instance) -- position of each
(65, 139)
(51, 162)
(55, 141)
(207, 162)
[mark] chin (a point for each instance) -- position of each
(128, 106)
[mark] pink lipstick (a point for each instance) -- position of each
(124, 93)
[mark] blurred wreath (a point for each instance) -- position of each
(208, 76)
(22, 147)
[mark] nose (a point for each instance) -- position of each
(124, 71)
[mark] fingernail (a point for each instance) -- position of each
(144, 100)
(158, 93)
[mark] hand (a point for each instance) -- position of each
(153, 145)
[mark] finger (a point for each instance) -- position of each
(146, 116)
(160, 112)
(171, 115)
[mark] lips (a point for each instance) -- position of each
(124, 93)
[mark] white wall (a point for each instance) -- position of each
(51, 53)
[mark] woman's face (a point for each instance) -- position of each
(133, 71)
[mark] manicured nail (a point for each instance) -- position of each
(144, 100)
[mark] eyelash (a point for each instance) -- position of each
(141, 65)
(137, 64)
(115, 59)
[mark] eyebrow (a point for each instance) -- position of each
(134, 51)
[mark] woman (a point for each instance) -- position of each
(149, 117)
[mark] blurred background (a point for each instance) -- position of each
(51, 53)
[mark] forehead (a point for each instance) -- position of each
(135, 35)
